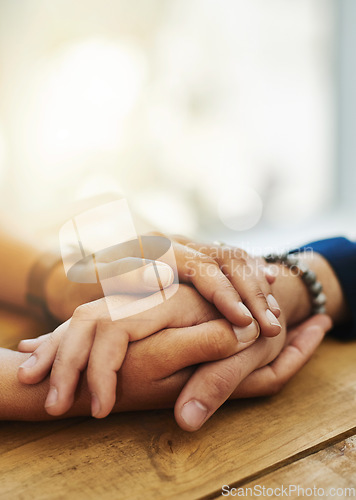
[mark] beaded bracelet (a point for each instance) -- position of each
(308, 276)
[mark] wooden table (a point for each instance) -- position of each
(305, 436)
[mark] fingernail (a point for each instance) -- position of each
(95, 405)
(27, 341)
(272, 318)
(271, 301)
(244, 310)
(270, 275)
(52, 397)
(193, 413)
(30, 362)
(164, 272)
(247, 333)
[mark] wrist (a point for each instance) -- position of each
(54, 290)
(293, 295)
(336, 306)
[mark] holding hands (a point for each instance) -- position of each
(237, 284)
(216, 331)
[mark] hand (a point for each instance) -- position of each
(300, 345)
(157, 367)
(235, 282)
(248, 374)
(227, 277)
(92, 339)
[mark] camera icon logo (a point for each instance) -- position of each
(101, 245)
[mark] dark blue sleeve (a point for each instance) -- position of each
(341, 254)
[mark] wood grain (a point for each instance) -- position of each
(145, 455)
(334, 467)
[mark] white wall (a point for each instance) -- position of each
(212, 116)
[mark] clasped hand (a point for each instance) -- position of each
(201, 346)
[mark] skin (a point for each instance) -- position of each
(63, 297)
(289, 292)
(93, 340)
(214, 382)
(201, 269)
(206, 273)
(293, 297)
(152, 375)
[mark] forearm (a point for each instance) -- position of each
(16, 259)
(26, 402)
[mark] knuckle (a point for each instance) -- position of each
(232, 269)
(217, 341)
(91, 310)
(221, 254)
(51, 341)
(277, 383)
(203, 258)
(221, 383)
(224, 286)
(200, 263)
(206, 259)
(102, 323)
(204, 313)
(80, 312)
(260, 295)
(242, 261)
(59, 362)
(276, 387)
(240, 254)
(66, 363)
(253, 295)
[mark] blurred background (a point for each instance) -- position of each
(230, 120)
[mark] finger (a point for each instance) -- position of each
(171, 350)
(271, 379)
(38, 365)
(29, 345)
(242, 280)
(248, 278)
(106, 357)
(153, 313)
(71, 359)
(204, 273)
(322, 320)
(73, 352)
(263, 306)
(212, 384)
